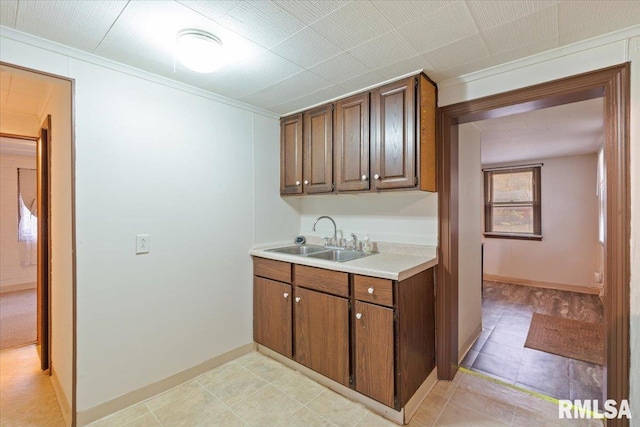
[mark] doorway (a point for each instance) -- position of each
(613, 85)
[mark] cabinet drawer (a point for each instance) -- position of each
(276, 270)
(374, 290)
(329, 281)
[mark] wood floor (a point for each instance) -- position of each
(499, 351)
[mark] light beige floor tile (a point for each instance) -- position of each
(217, 375)
(375, 420)
(429, 410)
(337, 409)
(233, 388)
(532, 411)
(225, 419)
(446, 388)
(268, 369)
(299, 387)
(461, 416)
(266, 407)
(250, 358)
(305, 417)
(123, 417)
(176, 394)
(148, 420)
(484, 403)
(191, 409)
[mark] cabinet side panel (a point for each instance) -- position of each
(272, 315)
(427, 135)
(416, 333)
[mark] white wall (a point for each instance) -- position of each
(580, 58)
(14, 274)
(401, 217)
(569, 251)
(469, 236)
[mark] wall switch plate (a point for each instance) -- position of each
(143, 244)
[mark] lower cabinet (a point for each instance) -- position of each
(374, 335)
(272, 315)
(374, 355)
(322, 333)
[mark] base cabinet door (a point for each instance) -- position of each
(272, 315)
(322, 333)
(374, 355)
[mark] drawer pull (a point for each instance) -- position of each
(370, 290)
(297, 299)
(286, 295)
(358, 316)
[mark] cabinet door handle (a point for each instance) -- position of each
(358, 316)
(364, 177)
(297, 299)
(370, 290)
(297, 183)
(376, 176)
(286, 295)
(306, 182)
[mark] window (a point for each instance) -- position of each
(512, 202)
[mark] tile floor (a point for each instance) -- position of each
(255, 390)
(499, 351)
(26, 394)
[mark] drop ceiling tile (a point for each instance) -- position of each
(353, 24)
(384, 50)
(358, 83)
(4, 95)
(8, 9)
(5, 79)
(319, 97)
(29, 86)
(144, 37)
(309, 12)
(541, 25)
(288, 89)
(77, 24)
(254, 75)
(262, 22)
(340, 68)
(527, 50)
(459, 53)
(401, 12)
(579, 20)
(440, 28)
(24, 104)
(461, 70)
(306, 48)
(488, 14)
(415, 63)
(211, 9)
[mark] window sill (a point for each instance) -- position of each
(516, 236)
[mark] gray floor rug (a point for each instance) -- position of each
(17, 318)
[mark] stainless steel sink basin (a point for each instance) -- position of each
(303, 250)
(339, 255)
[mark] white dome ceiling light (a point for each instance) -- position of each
(199, 51)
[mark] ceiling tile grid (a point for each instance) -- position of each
(458, 53)
(340, 68)
(491, 13)
(384, 50)
(309, 12)
(288, 89)
(306, 48)
(580, 20)
(399, 13)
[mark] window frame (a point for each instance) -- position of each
(536, 204)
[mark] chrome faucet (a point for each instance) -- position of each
(355, 241)
(335, 229)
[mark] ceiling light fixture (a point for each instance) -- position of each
(199, 51)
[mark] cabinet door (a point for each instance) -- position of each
(272, 315)
(351, 143)
(393, 145)
(322, 333)
(374, 368)
(291, 155)
(318, 153)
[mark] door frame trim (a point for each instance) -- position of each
(613, 85)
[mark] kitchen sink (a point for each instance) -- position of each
(339, 255)
(303, 250)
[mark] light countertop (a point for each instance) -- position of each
(394, 265)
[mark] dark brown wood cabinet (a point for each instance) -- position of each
(374, 352)
(291, 155)
(393, 142)
(351, 142)
(317, 169)
(322, 333)
(272, 315)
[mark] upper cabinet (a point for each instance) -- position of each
(383, 139)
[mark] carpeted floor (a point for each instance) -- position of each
(17, 318)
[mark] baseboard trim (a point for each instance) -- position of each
(416, 400)
(546, 285)
(18, 287)
(112, 406)
(377, 407)
(65, 407)
(462, 351)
